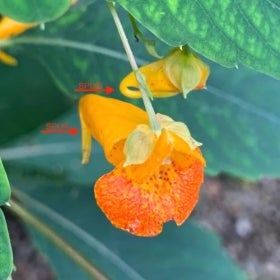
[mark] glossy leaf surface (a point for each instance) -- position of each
(227, 32)
(32, 10)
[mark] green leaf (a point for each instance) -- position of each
(34, 11)
(5, 190)
(6, 254)
(237, 119)
(28, 98)
(227, 32)
(178, 252)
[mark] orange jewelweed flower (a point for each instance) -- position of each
(180, 71)
(157, 175)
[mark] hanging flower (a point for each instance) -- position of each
(157, 174)
(180, 71)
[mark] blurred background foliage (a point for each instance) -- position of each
(237, 119)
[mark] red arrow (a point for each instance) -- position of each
(109, 90)
(73, 131)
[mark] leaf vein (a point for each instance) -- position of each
(238, 49)
(245, 105)
(273, 5)
(254, 28)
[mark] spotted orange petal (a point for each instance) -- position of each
(142, 208)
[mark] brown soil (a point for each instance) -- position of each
(247, 217)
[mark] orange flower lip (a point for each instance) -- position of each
(141, 204)
(157, 176)
(141, 209)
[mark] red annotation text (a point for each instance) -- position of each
(55, 128)
(93, 87)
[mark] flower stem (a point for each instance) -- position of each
(41, 227)
(144, 89)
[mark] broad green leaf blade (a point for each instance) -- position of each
(6, 254)
(34, 11)
(237, 119)
(5, 190)
(182, 252)
(227, 32)
(28, 98)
